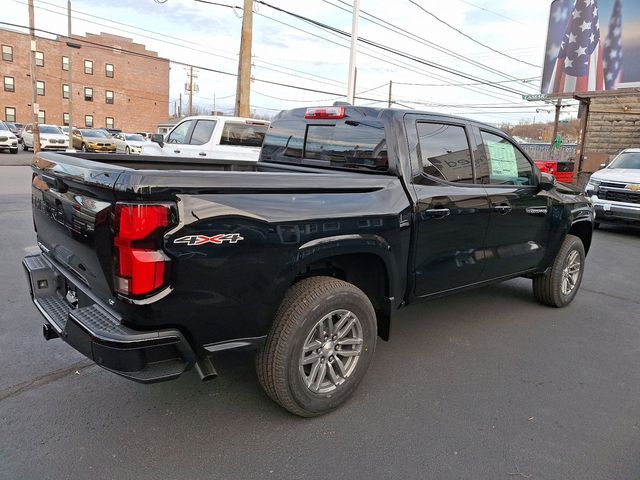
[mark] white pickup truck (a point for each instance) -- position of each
(212, 137)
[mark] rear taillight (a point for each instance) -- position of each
(140, 265)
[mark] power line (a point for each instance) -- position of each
(394, 51)
(417, 38)
(324, 80)
(491, 11)
(469, 36)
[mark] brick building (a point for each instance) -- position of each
(116, 83)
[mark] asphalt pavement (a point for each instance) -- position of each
(482, 385)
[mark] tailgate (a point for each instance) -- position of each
(72, 202)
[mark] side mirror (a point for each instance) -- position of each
(602, 165)
(158, 138)
(547, 181)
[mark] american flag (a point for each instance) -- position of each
(579, 67)
(558, 20)
(612, 51)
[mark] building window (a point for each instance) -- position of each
(9, 114)
(108, 122)
(39, 59)
(9, 84)
(65, 63)
(108, 70)
(108, 97)
(42, 117)
(65, 119)
(88, 67)
(7, 53)
(40, 88)
(88, 121)
(65, 91)
(88, 94)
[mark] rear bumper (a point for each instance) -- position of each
(607, 211)
(98, 333)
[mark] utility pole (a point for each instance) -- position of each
(243, 88)
(390, 86)
(180, 107)
(32, 70)
(214, 103)
(70, 53)
(555, 123)
(190, 91)
(351, 93)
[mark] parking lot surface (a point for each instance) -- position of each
(486, 384)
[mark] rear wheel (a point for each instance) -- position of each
(24, 146)
(596, 225)
(320, 346)
(558, 287)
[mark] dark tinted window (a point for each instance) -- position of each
(243, 134)
(503, 163)
(202, 132)
(353, 145)
(444, 152)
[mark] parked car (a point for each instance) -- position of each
(211, 137)
(64, 128)
(92, 140)
(112, 131)
(51, 138)
(16, 129)
(128, 143)
(350, 214)
(8, 141)
(615, 190)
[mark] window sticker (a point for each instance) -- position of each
(503, 160)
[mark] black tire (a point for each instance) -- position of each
(547, 288)
(278, 362)
(127, 151)
(24, 147)
(14, 151)
(83, 148)
(596, 225)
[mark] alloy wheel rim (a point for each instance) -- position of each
(331, 351)
(571, 272)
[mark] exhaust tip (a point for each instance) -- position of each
(205, 369)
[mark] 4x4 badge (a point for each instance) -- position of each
(193, 240)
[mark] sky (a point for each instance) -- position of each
(290, 51)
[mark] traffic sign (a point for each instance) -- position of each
(536, 97)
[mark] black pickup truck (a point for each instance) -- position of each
(150, 265)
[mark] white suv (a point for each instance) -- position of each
(615, 190)
(8, 141)
(51, 138)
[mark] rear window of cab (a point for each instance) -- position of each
(340, 144)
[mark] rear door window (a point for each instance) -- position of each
(243, 134)
(503, 163)
(202, 132)
(445, 152)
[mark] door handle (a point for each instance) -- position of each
(176, 151)
(203, 154)
(502, 209)
(437, 212)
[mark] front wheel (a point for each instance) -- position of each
(127, 151)
(558, 287)
(83, 148)
(14, 150)
(24, 146)
(320, 346)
